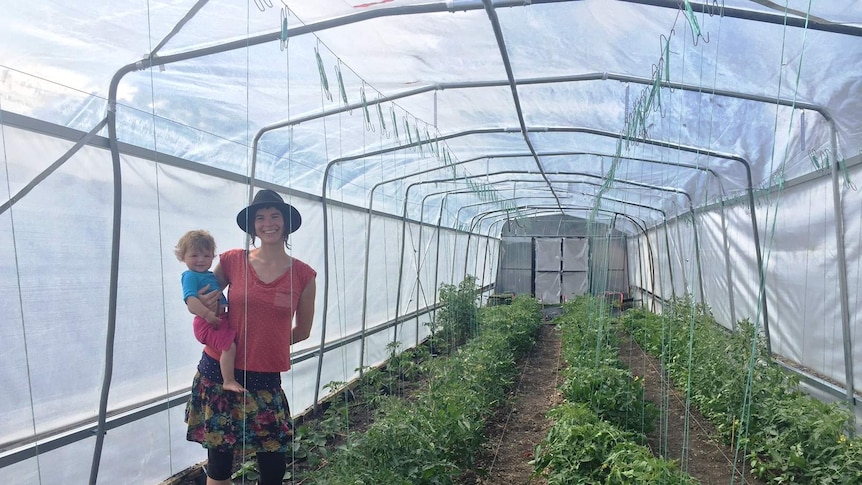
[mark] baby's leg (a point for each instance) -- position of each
(226, 363)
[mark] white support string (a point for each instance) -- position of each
(20, 293)
(161, 248)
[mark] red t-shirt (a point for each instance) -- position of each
(261, 313)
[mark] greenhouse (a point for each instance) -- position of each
(651, 169)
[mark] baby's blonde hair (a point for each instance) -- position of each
(197, 239)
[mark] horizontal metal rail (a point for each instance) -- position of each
(20, 450)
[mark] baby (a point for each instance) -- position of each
(197, 249)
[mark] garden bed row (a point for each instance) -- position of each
(780, 433)
(419, 418)
(599, 432)
(433, 436)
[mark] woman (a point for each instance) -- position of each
(267, 288)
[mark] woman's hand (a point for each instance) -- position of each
(210, 299)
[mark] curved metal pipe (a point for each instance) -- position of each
(568, 207)
(487, 250)
(504, 55)
(588, 77)
(516, 172)
(842, 278)
(457, 217)
(113, 282)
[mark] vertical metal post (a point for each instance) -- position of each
(364, 316)
(728, 269)
(467, 253)
(660, 269)
(682, 268)
(761, 270)
(454, 252)
(842, 274)
(669, 263)
(640, 265)
(325, 312)
(401, 263)
(419, 264)
(488, 250)
(437, 255)
(113, 285)
(697, 255)
(418, 260)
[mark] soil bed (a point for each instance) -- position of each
(519, 425)
(515, 430)
(709, 460)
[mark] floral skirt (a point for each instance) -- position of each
(252, 421)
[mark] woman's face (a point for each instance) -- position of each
(269, 225)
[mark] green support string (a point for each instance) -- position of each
(407, 131)
(320, 69)
(368, 125)
(341, 83)
(282, 44)
(382, 122)
(692, 21)
(395, 123)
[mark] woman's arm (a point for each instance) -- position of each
(210, 298)
(304, 313)
(219, 274)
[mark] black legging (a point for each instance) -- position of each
(271, 466)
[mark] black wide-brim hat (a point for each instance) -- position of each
(269, 198)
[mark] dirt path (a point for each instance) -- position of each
(708, 459)
(519, 426)
(515, 430)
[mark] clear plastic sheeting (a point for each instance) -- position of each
(703, 149)
(801, 278)
(622, 48)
